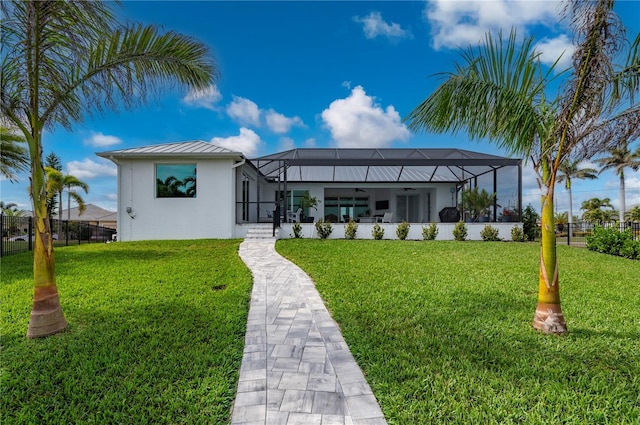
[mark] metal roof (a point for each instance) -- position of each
(379, 165)
(193, 149)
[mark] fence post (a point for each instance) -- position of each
(29, 233)
(2, 239)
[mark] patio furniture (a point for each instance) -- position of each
(294, 216)
(387, 217)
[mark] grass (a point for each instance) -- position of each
(443, 330)
(156, 332)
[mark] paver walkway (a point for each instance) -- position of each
(296, 367)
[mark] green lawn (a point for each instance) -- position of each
(156, 332)
(443, 330)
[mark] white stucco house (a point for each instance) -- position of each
(193, 190)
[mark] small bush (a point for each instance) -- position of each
(489, 234)
(350, 229)
(517, 234)
(403, 230)
(460, 231)
(613, 242)
(324, 228)
(429, 233)
(297, 230)
(377, 232)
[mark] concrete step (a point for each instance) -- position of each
(260, 232)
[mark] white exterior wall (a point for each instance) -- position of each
(209, 215)
(445, 231)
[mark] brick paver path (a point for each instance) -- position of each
(296, 367)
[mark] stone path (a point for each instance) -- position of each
(296, 367)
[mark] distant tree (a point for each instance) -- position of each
(620, 158)
(14, 157)
(11, 209)
(633, 214)
(530, 225)
(569, 170)
(57, 183)
(595, 212)
(62, 61)
(53, 161)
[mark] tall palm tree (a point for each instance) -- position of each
(571, 170)
(620, 158)
(499, 92)
(62, 61)
(14, 157)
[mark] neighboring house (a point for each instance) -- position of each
(92, 214)
(191, 190)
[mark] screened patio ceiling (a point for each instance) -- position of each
(380, 165)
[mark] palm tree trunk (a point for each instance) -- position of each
(622, 199)
(46, 313)
(570, 218)
(548, 316)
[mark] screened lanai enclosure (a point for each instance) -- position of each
(375, 185)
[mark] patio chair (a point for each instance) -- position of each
(387, 217)
(294, 216)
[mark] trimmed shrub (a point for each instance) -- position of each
(403, 230)
(460, 231)
(489, 234)
(613, 242)
(297, 230)
(429, 233)
(377, 232)
(323, 228)
(350, 229)
(517, 234)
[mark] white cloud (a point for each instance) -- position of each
(205, 98)
(100, 140)
(246, 142)
(357, 121)
(310, 143)
(460, 23)
(286, 143)
(373, 25)
(551, 48)
(280, 124)
(88, 169)
(346, 84)
(244, 111)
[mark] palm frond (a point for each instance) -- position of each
(495, 93)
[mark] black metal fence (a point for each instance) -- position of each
(18, 233)
(576, 233)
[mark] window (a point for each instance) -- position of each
(175, 180)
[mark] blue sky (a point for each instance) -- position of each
(315, 74)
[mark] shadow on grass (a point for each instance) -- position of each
(164, 362)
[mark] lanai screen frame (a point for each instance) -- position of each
(449, 165)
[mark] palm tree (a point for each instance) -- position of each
(498, 92)
(594, 212)
(621, 158)
(633, 214)
(57, 183)
(571, 170)
(10, 209)
(62, 61)
(14, 157)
